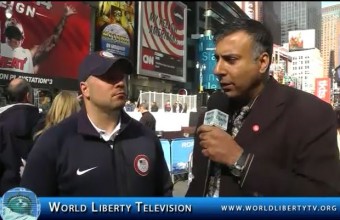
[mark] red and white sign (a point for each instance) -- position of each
(162, 40)
(323, 89)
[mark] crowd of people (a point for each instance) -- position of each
(282, 136)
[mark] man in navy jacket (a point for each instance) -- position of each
(100, 151)
(16, 130)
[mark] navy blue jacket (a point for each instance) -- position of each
(70, 159)
(16, 132)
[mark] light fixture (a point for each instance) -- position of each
(9, 11)
(208, 13)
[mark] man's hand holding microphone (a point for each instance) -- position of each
(219, 146)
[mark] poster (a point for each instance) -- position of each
(181, 150)
(115, 21)
(162, 40)
(323, 89)
(207, 63)
(44, 42)
(301, 39)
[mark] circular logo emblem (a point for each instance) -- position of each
(141, 165)
(19, 203)
(116, 40)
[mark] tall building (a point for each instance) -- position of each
(301, 15)
(254, 9)
(307, 65)
(330, 37)
(272, 19)
(266, 12)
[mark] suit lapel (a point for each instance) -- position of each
(268, 106)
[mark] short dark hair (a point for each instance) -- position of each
(261, 36)
(18, 93)
(143, 105)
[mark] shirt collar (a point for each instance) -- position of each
(103, 134)
(85, 127)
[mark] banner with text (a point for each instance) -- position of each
(206, 63)
(115, 21)
(45, 39)
(162, 40)
(323, 89)
(182, 208)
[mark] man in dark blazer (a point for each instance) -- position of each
(17, 120)
(286, 144)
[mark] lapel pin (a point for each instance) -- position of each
(256, 128)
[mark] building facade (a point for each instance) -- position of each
(301, 16)
(272, 19)
(306, 66)
(330, 37)
(254, 9)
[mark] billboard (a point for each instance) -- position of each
(207, 63)
(323, 89)
(181, 150)
(44, 42)
(162, 40)
(301, 39)
(115, 24)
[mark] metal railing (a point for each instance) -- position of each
(188, 102)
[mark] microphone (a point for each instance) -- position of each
(217, 105)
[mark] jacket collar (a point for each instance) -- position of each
(86, 128)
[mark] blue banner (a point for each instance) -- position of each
(207, 62)
(167, 152)
(190, 208)
(181, 149)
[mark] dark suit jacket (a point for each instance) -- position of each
(16, 141)
(295, 148)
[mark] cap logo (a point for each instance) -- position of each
(106, 54)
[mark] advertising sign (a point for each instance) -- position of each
(115, 22)
(323, 89)
(162, 40)
(44, 42)
(207, 62)
(181, 150)
(301, 40)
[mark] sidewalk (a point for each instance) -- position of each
(181, 185)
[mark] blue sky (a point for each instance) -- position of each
(326, 4)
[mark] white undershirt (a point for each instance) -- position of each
(104, 135)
